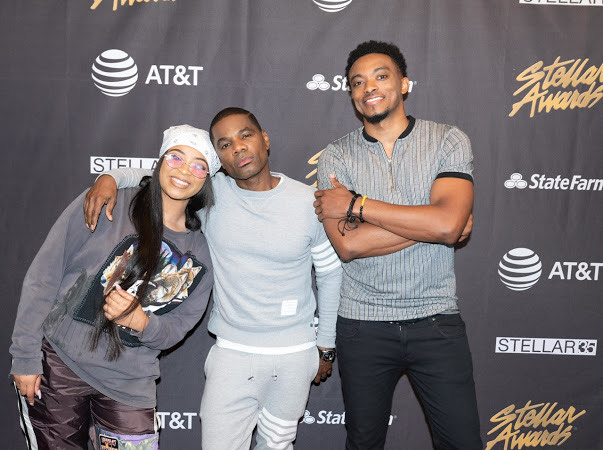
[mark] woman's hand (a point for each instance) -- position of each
(117, 302)
(28, 385)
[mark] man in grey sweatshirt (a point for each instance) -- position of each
(264, 239)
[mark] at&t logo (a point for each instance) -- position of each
(176, 420)
(520, 269)
(114, 72)
(332, 5)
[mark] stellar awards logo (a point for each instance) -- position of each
(117, 3)
(546, 346)
(531, 425)
(332, 5)
(100, 164)
(560, 85)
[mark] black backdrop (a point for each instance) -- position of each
(523, 78)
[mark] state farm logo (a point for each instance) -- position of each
(516, 181)
(546, 346)
(521, 268)
(318, 81)
(308, 418)
(325, 417)
(332, 5)
(544, 182)
(338, 83)
(115, 73)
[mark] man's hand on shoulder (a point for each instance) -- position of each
(103, 192)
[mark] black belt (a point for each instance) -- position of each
(408, 322)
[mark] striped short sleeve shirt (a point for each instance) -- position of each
(418, 281)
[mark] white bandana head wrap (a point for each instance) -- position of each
(193, 137)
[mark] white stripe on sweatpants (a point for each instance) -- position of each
(277, 432)
(25, 421)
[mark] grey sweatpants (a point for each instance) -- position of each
(243, 390)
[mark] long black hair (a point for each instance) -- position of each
(146, 214)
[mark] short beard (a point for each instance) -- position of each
(377, 117)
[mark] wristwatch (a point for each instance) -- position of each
(327, 355)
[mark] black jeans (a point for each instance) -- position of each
(434, 352)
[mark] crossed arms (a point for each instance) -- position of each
(388, 228)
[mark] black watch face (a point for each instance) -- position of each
(327, 355)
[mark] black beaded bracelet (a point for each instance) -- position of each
(361, 208)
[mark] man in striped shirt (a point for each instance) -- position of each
(396, 194)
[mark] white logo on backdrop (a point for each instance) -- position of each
(100, 164)
(325, 417)
(308, 418)
(338, 83)
(332, 5)
(520, 269)
(318, 82)
(546, 346)
(516, 181)
(114, 72)
(562, 2)
(176, 420)
(555, 183)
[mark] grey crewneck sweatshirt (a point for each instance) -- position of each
(263, 246)
(64, 283)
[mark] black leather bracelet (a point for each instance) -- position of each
(349, 215)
